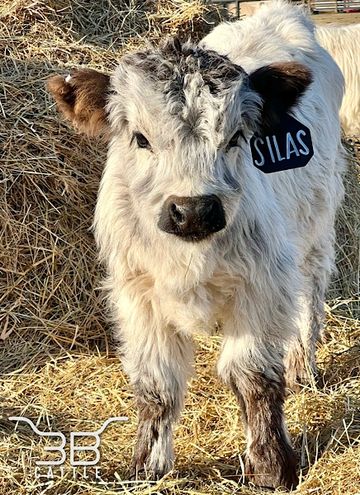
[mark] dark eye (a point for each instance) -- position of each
(141, 141)
(234, 140)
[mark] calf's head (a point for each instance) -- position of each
(178, 119)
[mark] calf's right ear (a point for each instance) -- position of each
(81, 97)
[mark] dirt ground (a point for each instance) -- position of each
(344, 19)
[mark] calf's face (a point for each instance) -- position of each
(178, 120)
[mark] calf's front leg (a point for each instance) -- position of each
(255, 373)
(158, 361)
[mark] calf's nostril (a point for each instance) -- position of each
(176, 214)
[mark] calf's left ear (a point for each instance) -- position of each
(82, 97)
(280, 86)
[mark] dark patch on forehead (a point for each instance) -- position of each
(170, 63)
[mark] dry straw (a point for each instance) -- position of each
(57, 361)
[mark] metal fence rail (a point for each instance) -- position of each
(314, 5)
(334, 5)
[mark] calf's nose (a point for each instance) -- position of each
(192, 218)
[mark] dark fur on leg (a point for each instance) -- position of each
(154, 433)
(270, 459)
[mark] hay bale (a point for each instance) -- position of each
(57, 362)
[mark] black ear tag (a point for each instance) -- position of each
(289, 146)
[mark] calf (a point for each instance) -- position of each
(192, 230)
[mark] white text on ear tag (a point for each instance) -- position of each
(289, 146)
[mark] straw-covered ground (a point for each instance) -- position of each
(58, 365)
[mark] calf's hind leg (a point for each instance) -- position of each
(301, 358)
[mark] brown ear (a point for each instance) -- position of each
(280, 86)
(82, 97)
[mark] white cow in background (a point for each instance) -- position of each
(343, 44)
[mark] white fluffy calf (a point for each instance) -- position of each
(194, 233)
(343, 43)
